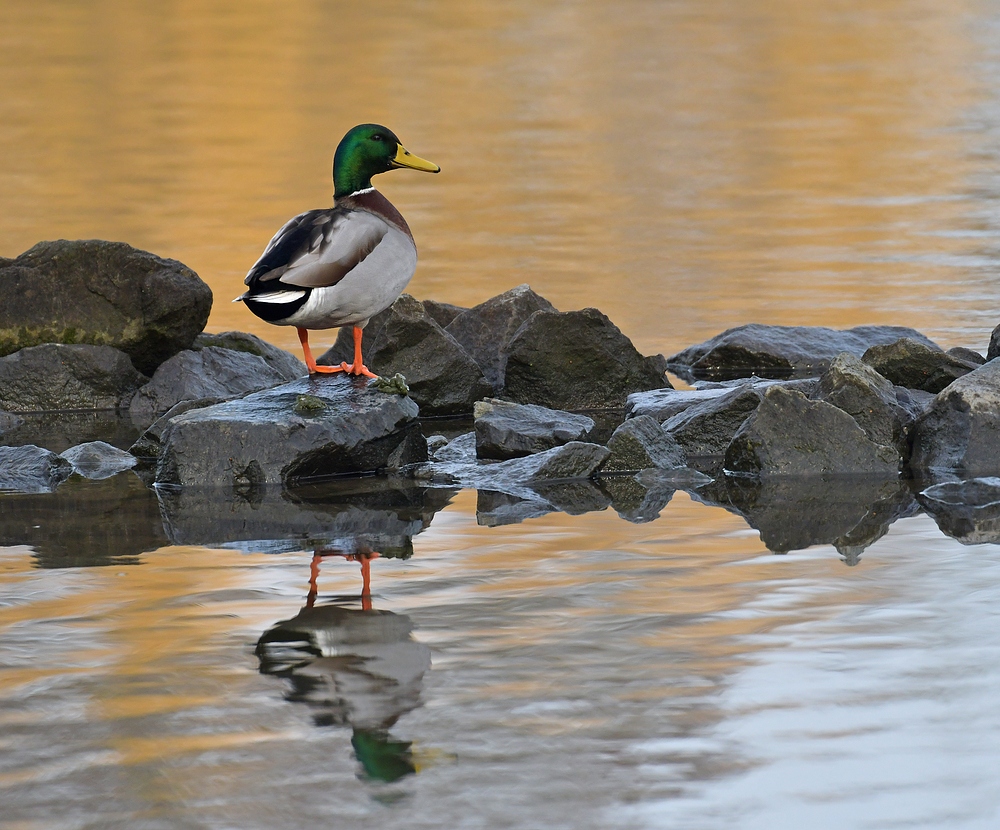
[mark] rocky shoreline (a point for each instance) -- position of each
(557, 410)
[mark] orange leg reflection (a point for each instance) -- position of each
(366, 577)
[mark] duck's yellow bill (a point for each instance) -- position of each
(404, 158)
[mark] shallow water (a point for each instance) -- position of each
(682, 166)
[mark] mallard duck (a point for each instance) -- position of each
(340, 266)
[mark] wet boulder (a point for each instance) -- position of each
(789, 434)
(960, 431)
(708, 427)
(511, 430)
(641, 444)
(284, 363)
(780, 351)
(102, 294)
(98, 460)
(576, 360)
(485, 330)
(58, 377)
(310, 428)
(147, 446)
(663, 404)
(915, 365)
(884, 412)
(209, 372)
(31, 469)
(442, 378)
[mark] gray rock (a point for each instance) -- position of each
(960, 432)
(284, 363)
(147, 446)
(968, 355)
(640, 444)
(461, 448)
(8, 422)
(209, 372)
(31, 469)
(779, 351)
(708, 427)
(512, 430)
(57, 377)
(993, 351)
(443, 313)
(261, 439)
(915, 365)
(435, 443)
(485, 330)
(60, 430)
(871, 400)
(966, 510)
(576, 360)
(84, 523)
(98, 460)
(443, 379)
(791, 435)
(102, 294)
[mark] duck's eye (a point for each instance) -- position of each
(378, 137)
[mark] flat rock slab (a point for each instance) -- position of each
(59, 377)
(102, 294)
(576, 360)
(960, 431)
(310, 428)
(789, 435)
(780, 351)
(511, 430)
(31, 469)
(208, 372)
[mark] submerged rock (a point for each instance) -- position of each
(58, 377)
(260, 439)
(576, 360)
(31, 469)
(640, 444)
(209, 372)
(442, 378)
(511, 430)
(960, 432)
(98, 460)
(915, 365)
(485, 330)
(791, 435)
(780, 351)
(102, 294)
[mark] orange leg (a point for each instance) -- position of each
(366, 576)
(358, 366)
(310, 362)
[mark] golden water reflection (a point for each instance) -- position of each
(685, 167)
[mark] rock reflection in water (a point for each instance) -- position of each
(84, 523)
(793, 513)
(968, 511)
(354, 667)
(384, 512)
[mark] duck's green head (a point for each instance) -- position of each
(369, 149)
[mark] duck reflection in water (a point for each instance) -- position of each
(354, 666)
